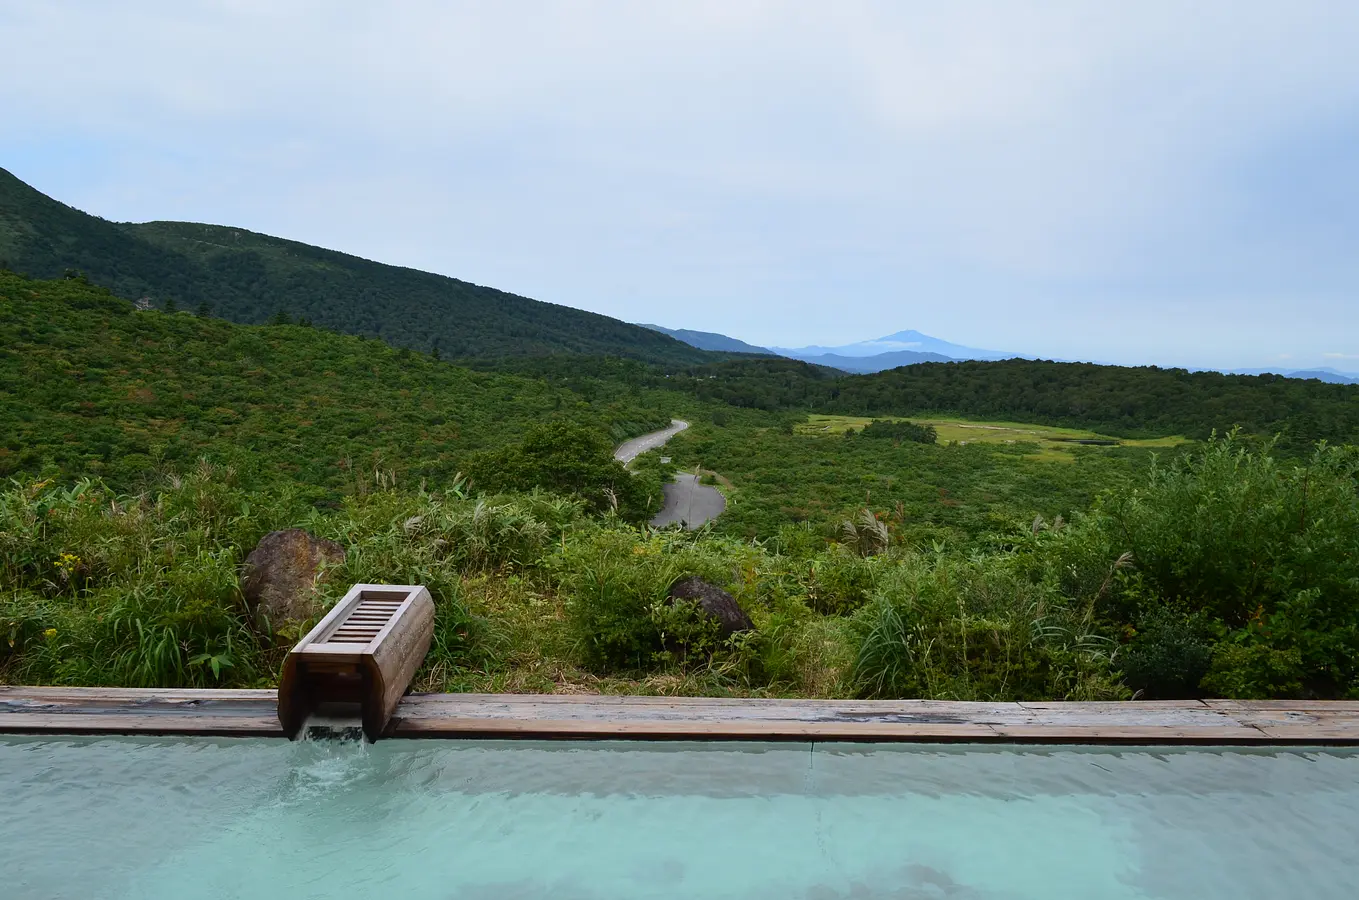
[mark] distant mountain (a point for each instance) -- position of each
(912, 341)
(1324, 373)
(858, 364)
(863, 365)
(247, 277)
(709, 340)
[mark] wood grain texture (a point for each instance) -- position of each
(58, 710)
(43, 710)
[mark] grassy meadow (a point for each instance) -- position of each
(1048, 442)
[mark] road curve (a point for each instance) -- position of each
(686, 501)
(689, 503)
(630, 450)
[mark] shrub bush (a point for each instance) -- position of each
(976, 630)
(1168, 655)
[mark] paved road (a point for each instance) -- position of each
(629, 450)
(686, 500)
(689, 502)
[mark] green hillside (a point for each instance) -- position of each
(1124, 401)
(1127, 401)
(884, 565)
(250, 278)
(91, 386)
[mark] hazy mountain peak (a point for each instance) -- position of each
(908, 340)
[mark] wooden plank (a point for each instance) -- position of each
(132, 723)
(1098, 705)
(642, 728)
(1129, 714)
(82, 695)
(57, 710)
(1305, 705)
(1291, 713)
(1348, 734)
(1147, 734)
(137, 711)
(702, 708)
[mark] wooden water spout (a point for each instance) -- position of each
(358, 661)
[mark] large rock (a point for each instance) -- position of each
(281, 575)
(715, 602)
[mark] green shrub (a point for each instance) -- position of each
(1268, 552)
(800, 540)
(838, 581)
(565, 458)
(616, 586)
(611, 584)
(1168, 655)
(885, 429)
(976, 630)
(1254, 671)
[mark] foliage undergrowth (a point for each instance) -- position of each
(1220, 572)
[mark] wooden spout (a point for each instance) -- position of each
(359, 659)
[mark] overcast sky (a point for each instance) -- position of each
(1174, 183)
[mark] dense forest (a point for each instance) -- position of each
(1123, 401)
(1120, 400)
(251, 278)
(91, 386)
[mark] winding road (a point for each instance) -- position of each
(630, 450)
(687, 502)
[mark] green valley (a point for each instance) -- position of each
(934, 531)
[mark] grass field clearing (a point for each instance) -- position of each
(1053, 442)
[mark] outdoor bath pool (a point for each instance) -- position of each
(254, 818)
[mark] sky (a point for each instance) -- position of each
(1169, 183)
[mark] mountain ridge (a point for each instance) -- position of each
(710, 340)
(881, 362)
(908, 340)
(250, 278)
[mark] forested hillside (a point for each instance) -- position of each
(1124, 401)
(251, 278)
(1141, 401)
(91, 386)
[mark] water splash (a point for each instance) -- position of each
(343, 729)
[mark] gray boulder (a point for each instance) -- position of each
(281, 575)
(715, 602)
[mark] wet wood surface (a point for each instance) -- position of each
(54, 710)
(250, 713)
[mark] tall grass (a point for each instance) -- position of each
(1225, 572)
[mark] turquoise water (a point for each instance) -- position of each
(171, 818)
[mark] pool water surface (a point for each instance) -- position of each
(181, 818)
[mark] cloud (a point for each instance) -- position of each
(1132, 182)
